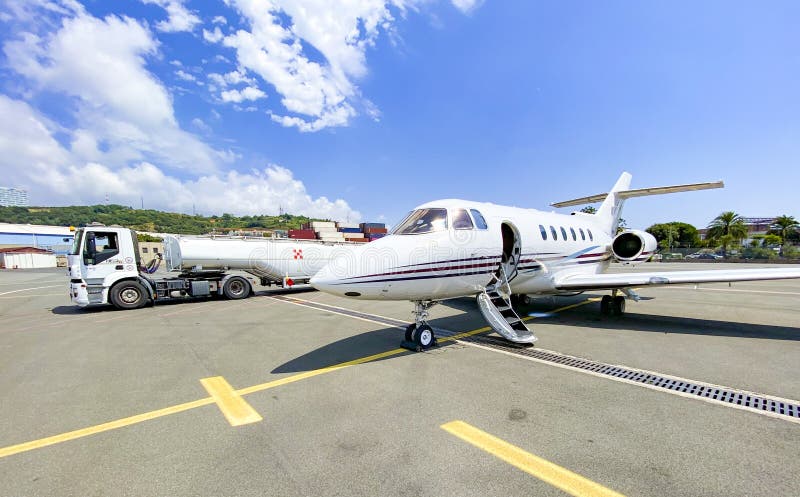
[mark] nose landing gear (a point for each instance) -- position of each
(419, 335)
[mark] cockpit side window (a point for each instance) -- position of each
(461, 220)
(480, 222)
(423, 221)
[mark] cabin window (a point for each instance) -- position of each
(583, 235)
(105, 247)
(572, 232)
(553, 232)
(564, 233)
(461, 220)
(423, 221)
(590, 234)
(480, 222)
(543, 232)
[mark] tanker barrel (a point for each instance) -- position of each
(172, 253)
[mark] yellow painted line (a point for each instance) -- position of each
(553, 474)
(111, 425)
(139, 418)
(233, 406)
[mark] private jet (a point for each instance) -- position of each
(504, 255)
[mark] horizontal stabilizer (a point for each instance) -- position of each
(641, 192)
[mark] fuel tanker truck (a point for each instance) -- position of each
(105, 266)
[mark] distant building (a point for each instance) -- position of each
(755, 226)
(13, 197)
(26, 258)
(57, 239)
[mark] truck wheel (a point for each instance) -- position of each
(236, 288)
(128, 295)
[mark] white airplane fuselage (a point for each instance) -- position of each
(531, 246)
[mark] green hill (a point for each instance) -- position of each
(144, 219)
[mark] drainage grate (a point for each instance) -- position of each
(740, 399)
(724, 395)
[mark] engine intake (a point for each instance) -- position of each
(634, 246)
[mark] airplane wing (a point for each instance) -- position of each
(606, 281)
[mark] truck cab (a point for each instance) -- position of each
(102, 256)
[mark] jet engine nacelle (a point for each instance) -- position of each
(634, 246)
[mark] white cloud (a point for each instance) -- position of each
(213, 36)
(467, 6)
(181, 74)
(201, 125)
(179, 18)
(219, 20)
(57, 175)
(238, 96)
(318, 93)
(117, 101)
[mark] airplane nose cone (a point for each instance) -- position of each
(324, 280)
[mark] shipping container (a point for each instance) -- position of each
(375, 230)
(349, 230)
(323, 224)
(302, 234)
(364, 226)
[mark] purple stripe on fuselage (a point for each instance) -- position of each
(426, 270)
(407, 278)
(492, 257)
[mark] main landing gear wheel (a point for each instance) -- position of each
(612, 306)
(618, 306)
(521, 299)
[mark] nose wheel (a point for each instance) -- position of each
(419, 335)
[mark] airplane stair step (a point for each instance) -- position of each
(502, 318)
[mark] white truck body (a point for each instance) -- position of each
(104, 266)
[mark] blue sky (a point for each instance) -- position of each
(362, 109)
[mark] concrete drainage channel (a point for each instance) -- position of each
(786, 409)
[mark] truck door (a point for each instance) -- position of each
(101, 255)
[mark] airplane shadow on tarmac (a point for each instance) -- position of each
(375, 342)
(651, 323)
(359, 346)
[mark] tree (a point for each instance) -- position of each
(687, 235)
(589, 210)
(727, 228)
(784, 226)
(772, 240)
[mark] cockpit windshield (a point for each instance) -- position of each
(423, 221)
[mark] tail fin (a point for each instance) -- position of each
(611, 208)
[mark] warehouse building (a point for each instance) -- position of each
(26, 258)
(57, 239)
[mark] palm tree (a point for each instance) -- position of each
(784, 225)
(726, 228)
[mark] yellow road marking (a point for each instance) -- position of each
(233, 406)
(139, 418)
(561, 478)
(111, 425)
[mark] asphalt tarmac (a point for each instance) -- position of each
(111, 403)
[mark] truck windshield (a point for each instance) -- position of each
(76, 243)
(423, 221)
